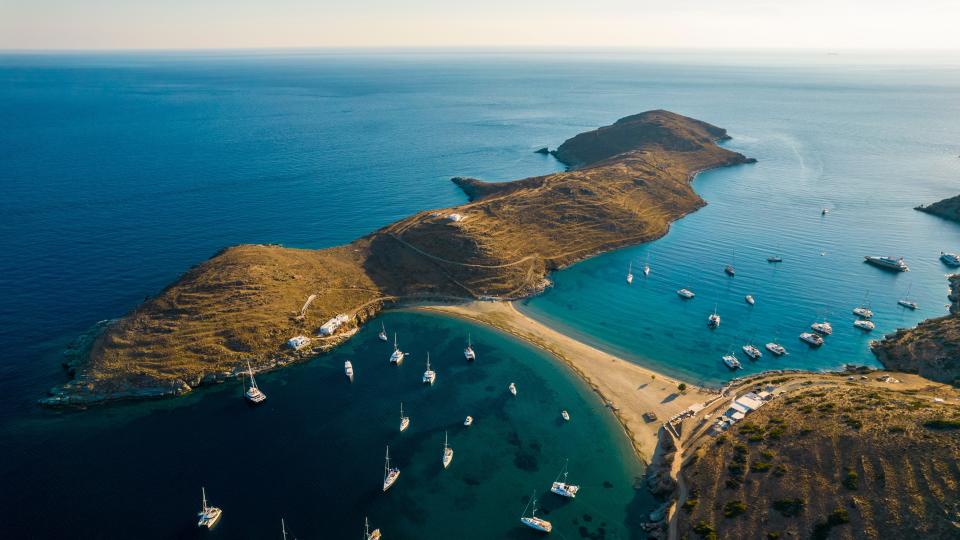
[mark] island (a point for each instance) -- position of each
(947, 208)
(270, 305)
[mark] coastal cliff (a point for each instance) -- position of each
(947, 208)
(629, 181)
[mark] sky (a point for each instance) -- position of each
(694, 24)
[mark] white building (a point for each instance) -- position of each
(455, 217)
(331, 326)
(297, 343)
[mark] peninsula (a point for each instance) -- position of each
(626, 183)
(947, 208)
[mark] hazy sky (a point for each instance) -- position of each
(126, 24)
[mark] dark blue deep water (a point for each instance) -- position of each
(119, 172)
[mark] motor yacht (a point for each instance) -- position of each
(776, 349)
(812, 339)
(752, 352)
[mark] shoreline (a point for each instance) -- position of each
(627, 389)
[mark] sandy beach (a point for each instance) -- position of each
(628, 389)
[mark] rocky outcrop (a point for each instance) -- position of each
(946, 209)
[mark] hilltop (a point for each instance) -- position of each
(947, 208)
(629, 182)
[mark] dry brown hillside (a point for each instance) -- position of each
(846, 462)
(633, 180)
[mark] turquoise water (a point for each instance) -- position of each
(119, 172)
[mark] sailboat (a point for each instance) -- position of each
(404, 420)
(383, 333)
(713, 320)
(429, 376)
(646, 267)
(209, 515)
(864, 309)
(468, 352)
(729, 268)
(512, 388)
(630, 273)
(367, 533)
(906, 302)
(563, 488)
(397, 356)
(532, 520)
(447, 452)
(390, 474)
(253, 394)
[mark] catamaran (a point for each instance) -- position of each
(367, 533)
(731, 361)
(822, 328)
(404, 420)
(749, 299)
(447, 452)
(888, 263)
(864, 324)
(468, 421)
(429, 376)
(686, 294)
(713, 320)
(862, 311)
(390, 474)
(468, 352)
(776, 348)
(950, 259)
(811, 339)
(253, 394)
(563, 488)
(565, 415)
(397, 356)
(209, 515)
(533, 521)
(630, 274)
(383, 333)
(752, 352)
(348, 370)
(512, 388)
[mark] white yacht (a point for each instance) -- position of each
(512, 388)
(630, 274)
(348, 370)
(253, 393)
(713, 320)
(686, 294)
(397, 356)
(646, 267)
(888, 263)
(367, 533)
(468, 421)
(447, 452)
(565, 415)
(563, 488)
(532, 520)
(429, 376)
(752, 352)
(209, 515)
(822, 328)
(812, 339)
(862, 311)
(950, 259)
(468, 352)
(749, 299)
(731, 361)
(404, 420)
(383, 333)
(390, 474)
(864, 324)
(776, 349)
(909, 304)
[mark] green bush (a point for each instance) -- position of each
(760, 466)
(942, 423)
(767, 454)
(705, 530)
(850, 481)
(734, 508)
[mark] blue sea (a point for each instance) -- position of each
(121, 171)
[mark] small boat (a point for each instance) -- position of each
(776, 349)
(909, 304)
(397, 356)
(749, 299)
(824, 212)
(686, 294)
(429, 376)
(731, 361)
(447, 452)
(253, 394)
(209, 515)
(404, 420)
(630, 274)
(752, 352)
(862, 312)
(348, 370)
(950, 259)
(774, 259)
(390, 474)
(565, 415)
(383, 333)
(888, 263)
(367, 533)
(812, 339)
(822, 328)
(713, 320)
(512, 388)
(646, 267)
(468, 352)
(532, 520)
(468, 422)
(730, 270)
(563, 488)
(864, 324)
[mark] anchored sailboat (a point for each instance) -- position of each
(447, 452)
(429, 376)
(367, 533)
(532, 520)
(253, 394)
(404, 420)
(646, 267)
(209, 515)
(390, 474)
(630, 273)
(468, 352)
(563, 488)
(397, 356)
(383, 333)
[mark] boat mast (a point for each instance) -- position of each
(253, 382)
(204, 491)
(444, 440)
(394, 341)
(401, 410)
(283, 529)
